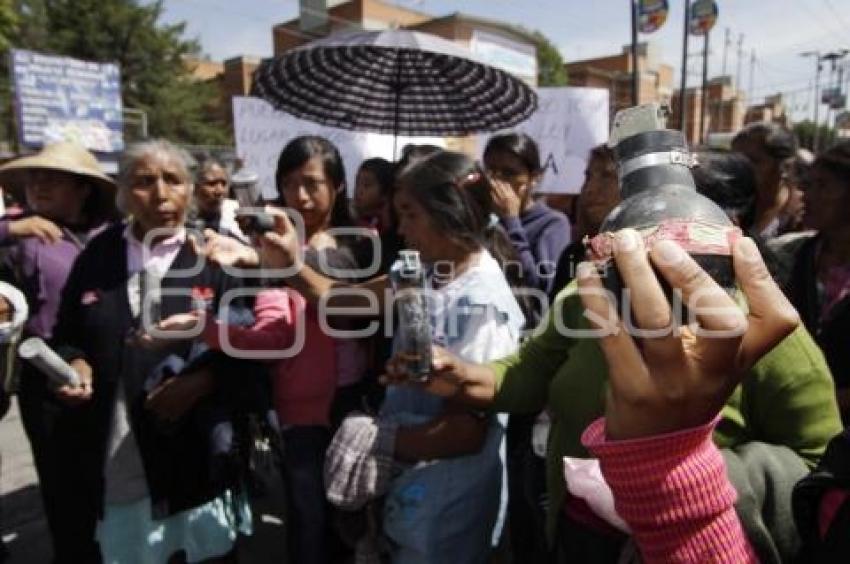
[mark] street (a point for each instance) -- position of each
(24, 528)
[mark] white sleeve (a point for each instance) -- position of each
(486, 337)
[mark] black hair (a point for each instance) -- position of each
(836, 161)
(410, 153)
(602, 151)
(798, 171)
(413, 152)
(728, 179)
(99, 206)
(300, 150)
(456, 195)
(383, 171)
(519, 145)
(778, 142)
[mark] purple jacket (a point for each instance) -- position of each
(39, 270)
(539, 236)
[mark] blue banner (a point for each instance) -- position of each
(65, 99)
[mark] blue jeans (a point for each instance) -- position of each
(308, 530)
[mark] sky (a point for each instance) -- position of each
(778, 31)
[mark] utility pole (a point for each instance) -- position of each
(847, 85)
(841, 93)
(818, 66)
(704, 97)
(833, 57)
(635, 75)
(740, 55)
(752, 75)
(684, 83)
(817, 105)
(726, 43)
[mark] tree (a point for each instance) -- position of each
(150, 54)
(8, 24)
(805, 132)
(550, 64)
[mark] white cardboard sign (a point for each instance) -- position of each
(262, 132)
(568, 123)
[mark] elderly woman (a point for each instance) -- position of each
(68, 200)
(212, 209)
(144, 446)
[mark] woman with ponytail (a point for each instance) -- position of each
(448, 502)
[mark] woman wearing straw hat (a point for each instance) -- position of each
(68, 200)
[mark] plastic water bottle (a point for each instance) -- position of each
(408, 278)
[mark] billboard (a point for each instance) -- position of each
(65, 99)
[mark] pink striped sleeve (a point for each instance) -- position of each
(673, 492)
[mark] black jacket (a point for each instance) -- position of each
(94, 321)
(832, 333)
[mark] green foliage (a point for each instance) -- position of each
(8, 23)
(150, 54)
(805, 132)
(550, 64)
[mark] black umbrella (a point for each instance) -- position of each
(395, 81)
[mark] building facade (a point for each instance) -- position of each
(497, 43)
(614, 73)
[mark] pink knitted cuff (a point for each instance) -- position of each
(673, 492)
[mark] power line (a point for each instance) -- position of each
(838, 15)
(768, 70)
(778, 85)
(819, 20)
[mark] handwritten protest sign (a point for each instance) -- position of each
(568, 123)
(262, 132)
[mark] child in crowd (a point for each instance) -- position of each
(372, 193)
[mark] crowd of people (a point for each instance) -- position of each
(200, 330)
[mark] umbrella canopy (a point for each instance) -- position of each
(394, 81)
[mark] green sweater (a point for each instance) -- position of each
(788, 398)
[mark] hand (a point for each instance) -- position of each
(322, 241)
(683, 378)
(795, 206)
(447, 377)
(280, 248)
(176, 396)
(35, 226)
(78, 395)
(225, 251)
(183, 325)
(506, 202)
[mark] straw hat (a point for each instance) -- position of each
(66, 157)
